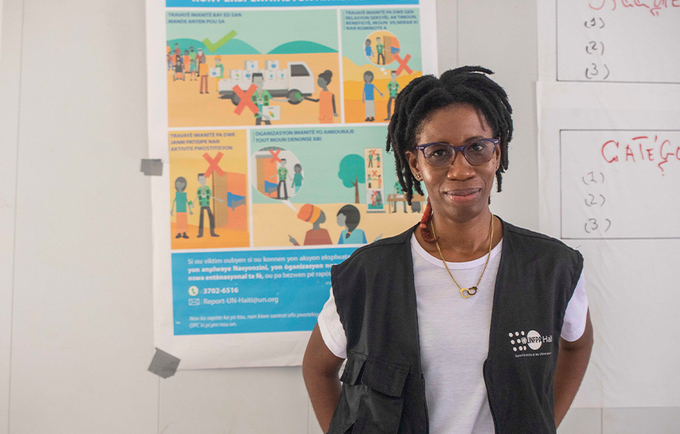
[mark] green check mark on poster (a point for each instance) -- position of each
(214, 47)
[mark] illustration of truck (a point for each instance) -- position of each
(294, 83)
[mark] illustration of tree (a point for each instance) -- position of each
(352, 173)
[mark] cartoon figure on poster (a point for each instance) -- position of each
(179, 68)
(297, 178)
(317, 235)
(217, 72)
(181, 204)
(368, 96)
(283, 176)
(326, 99)
(192, 64)
(368, 50)
(203, 74)
(380, 51)
(393, 90)
(273, 177)
(349, 217)
(203, 196)
(262, 99)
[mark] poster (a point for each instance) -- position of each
(270, 118)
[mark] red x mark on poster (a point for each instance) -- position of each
(375, 174)
(213, 164)
(245, 99)
(403, 63)
(275, 155)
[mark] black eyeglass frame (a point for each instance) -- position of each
(457, 149)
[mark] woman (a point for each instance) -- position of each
(181, 204)
(326, 98)
(297, 177)
(464, 323)
(179, 68)
(349, 217)
(368, 96)
(316, 235)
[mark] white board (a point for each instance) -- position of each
(611, 179)
(618, 41)
(609, 172)
(623, 217)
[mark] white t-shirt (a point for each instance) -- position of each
(454, 337)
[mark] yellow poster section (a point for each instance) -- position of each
(274, 224)
(353, 84)
(222, 157)
(188, 107)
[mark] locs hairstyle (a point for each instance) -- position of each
(424, 95)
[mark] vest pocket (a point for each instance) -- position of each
(372, 396)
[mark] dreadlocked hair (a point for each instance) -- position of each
(422, 97)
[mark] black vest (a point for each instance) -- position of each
(383, 385)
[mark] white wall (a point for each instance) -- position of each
(76, 332)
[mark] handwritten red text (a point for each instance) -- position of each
(654, 6)
(641, 149)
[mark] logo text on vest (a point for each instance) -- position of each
(522, 342)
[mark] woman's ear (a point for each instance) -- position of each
(413, 164)
(498, 156)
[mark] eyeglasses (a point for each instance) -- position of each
(443, 154)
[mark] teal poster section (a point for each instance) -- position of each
(320, 153)
(254, 32)
(251, 291)
(401, 25)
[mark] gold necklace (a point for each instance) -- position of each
(465, 292)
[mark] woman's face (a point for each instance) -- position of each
(342, 219)
(460, 191)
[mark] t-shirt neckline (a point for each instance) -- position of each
(415, 245)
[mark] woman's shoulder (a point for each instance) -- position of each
(536, 242)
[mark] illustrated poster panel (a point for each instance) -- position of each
(272, 122)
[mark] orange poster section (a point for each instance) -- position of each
(221, 157)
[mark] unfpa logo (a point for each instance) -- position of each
(520, 341)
